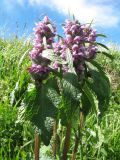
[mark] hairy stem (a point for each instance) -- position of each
(37, 146)
(54, 147)
(67, 142)
(78, 137)
(75, 148)
(82, 120)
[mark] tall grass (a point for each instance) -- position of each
(17, 136)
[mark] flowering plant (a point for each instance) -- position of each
(69, 83)
(80, 41)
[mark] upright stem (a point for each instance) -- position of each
(82, 119)
(67, 142)
(75, 148)
(37, 146)
(78, 137)
(54, 147)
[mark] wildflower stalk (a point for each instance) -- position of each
(78, 138)
(80, 40)
(67, 141)
(37, 146)
(54, 147)
(37, 136)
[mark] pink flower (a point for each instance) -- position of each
(46, 20)
(56, 65)
(75, 39)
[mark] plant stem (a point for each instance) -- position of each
(78, 138)
(75, 148)
(54, 147)
(67, 141)
(81, 149)
(37, 146)
(82, 119)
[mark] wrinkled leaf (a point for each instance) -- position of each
(88, 100)
(100, 85)
(41, 108)
(70, 97)
(69, 60)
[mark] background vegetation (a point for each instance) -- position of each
(17, 136)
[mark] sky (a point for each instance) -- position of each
(19, 16)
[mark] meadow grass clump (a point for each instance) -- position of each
(13, 134)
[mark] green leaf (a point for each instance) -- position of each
(59, 36)
(101, 35)
(51, 27)
(70, 97)
(17, 94)
(22, 58)
(73, 17)
(69, 60)
(41, 108)
(102, 45)
(99, 44)
(91, 23)
(45, 42)
(88, 100)
(97, 65)
(107, 55)
(49, 54)
(54, 97)
(100, 85)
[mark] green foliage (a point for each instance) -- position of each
(100, 85)
(14, 135)
(19, 91)
(70, 97)
(10, 131)
(87, 99)
(40, 109)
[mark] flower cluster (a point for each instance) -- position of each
(76, 37)
(44, 37)
(38, 72)
(60, 50)
(79, 39)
